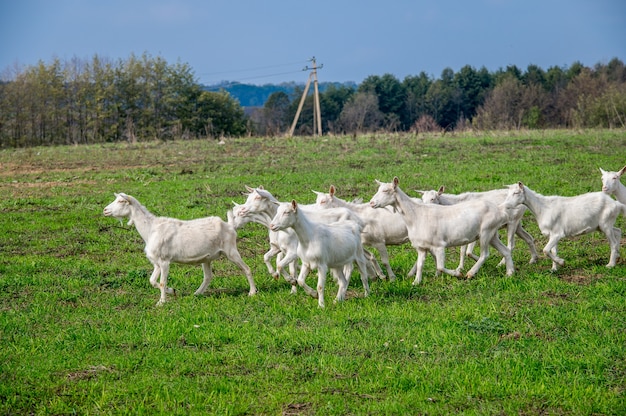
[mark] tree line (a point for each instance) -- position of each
(101, 100)
(560, 97)
(144, 97)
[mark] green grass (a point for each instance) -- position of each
(81, 334)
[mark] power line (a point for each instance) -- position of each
(235, 71)
(237, 81)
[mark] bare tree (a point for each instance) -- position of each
(502, 109)
(361, 114)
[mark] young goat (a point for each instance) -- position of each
(261, 201)
(612, 186)
(323, 246)
(559, 217)
(169, 240)
(282, 243)
(497, 196)
(382, 227)
(433, 228)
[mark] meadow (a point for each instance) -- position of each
(81, 333)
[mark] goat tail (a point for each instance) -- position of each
(622, 208)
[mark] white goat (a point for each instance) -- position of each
(382, 227)
(559, 217)
(497, 196)
(611, 184)
(260, 200)
(282, 243)
(323, 246)
(433, 228)
(168, 240)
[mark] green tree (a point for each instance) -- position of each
(103, 117)
(391, 96)
(534, 76)
(555, 79)
(416, 88)
(13, 110)
(332, 102)
(472, 87)
(444, 100)
(220, 115)
(574, 70)
(510, 71)
(179, 102)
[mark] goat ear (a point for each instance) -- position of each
(261, 187)
(521, 185)
(331, 191)
(294, 204)
(622, 171)
(441, 189)
(395, 181)
(250, 190)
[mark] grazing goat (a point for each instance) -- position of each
(497, 196)
(382, 227)
(433, 228)
(323, 246)
(612, 186)
(559, 217)
(168, 240)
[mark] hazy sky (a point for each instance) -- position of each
(271, 41)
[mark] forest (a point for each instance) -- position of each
(146, 98)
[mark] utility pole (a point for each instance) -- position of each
(317, 114)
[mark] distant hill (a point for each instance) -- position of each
(250, 95)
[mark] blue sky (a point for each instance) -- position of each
(270, 41)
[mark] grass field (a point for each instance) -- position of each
(81, 333)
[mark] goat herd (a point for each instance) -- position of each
(332, 233)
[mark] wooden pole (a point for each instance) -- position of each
(317, 113)
(295, 119)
